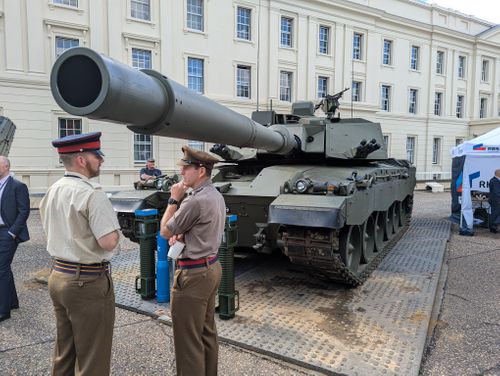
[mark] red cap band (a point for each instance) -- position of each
(86, 146)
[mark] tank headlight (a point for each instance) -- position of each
(301, 186)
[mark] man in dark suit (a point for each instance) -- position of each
(14, 212)
(495, 201)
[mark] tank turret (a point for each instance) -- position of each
(320, 189)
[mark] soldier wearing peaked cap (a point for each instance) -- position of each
(81, 229)
(198, 222)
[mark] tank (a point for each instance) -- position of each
(322, 190)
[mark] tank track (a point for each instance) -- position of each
(316, 251)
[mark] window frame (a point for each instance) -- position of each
(485, 70)
(66, 119)
(459, 108)
(385, 101)
(288, 33)
(462, 61)
(138, 3)
(286, 92)
(249, 31)
(412, 101)
(440, 62)
(438, 104)
(387, 52)
(324, 43)
(190, 20)
(326, 80)
(414, 58)
(357, 45)
(67, 38)
(411, 152)
(356, 91)
(436, 150)
(146, 143)
(63, 3)
(241, 68)
(137, 50)
(194, 75)
(483, 107)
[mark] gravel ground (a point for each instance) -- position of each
(466, 340)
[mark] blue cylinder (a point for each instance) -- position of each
(162, 276)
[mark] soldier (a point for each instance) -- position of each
(199, 222)
(495, 202)
(150, 171)
(81, 229)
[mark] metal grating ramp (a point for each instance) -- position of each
(378, 328)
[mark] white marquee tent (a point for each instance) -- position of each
(482, 158)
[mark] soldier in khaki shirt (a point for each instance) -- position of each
(81, 229)
(198, 222)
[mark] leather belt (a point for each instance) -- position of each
(186, 263)
(84, 269)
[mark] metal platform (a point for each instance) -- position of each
(379, 328)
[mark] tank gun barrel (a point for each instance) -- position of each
(87, 83)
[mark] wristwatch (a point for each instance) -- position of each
(172, 201)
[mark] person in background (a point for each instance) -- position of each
(198, 222)
(82, 231)
(149, 172)
(495, 202)
(14, 212)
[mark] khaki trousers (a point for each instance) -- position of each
(85, 316)
(193, 308)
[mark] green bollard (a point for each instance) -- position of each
(229, 299)
(146, 227)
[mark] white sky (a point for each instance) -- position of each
(488, 10)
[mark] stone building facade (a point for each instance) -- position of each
(429, 75)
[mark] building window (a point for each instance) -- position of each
(70, 3)
(412, 101)
(196, 75)
(69, 127)
(387, 56)
(322, 86)
(195, 15)
(436, 150)
(415, 58)
(410, 149)
(357, 45)
(62, 44)
(324, 39)
(143, 147)
(438, 102)
(385, 96)
(198, 145)
(244, 24)
(286, 86)
(461, 66)
(386, 142)
(440, 62)
(485, 67)
(243, 81)
(483, 108)
(356, 91)
(460, 106)
(459, 141)
(141, 59)
(140, 9)
(286, 32)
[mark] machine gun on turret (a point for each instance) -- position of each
(330, 104)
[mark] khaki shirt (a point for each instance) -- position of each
(200, 218)
(76, 212)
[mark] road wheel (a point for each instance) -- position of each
(351, 247)
(379, 220)
(368, 240)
